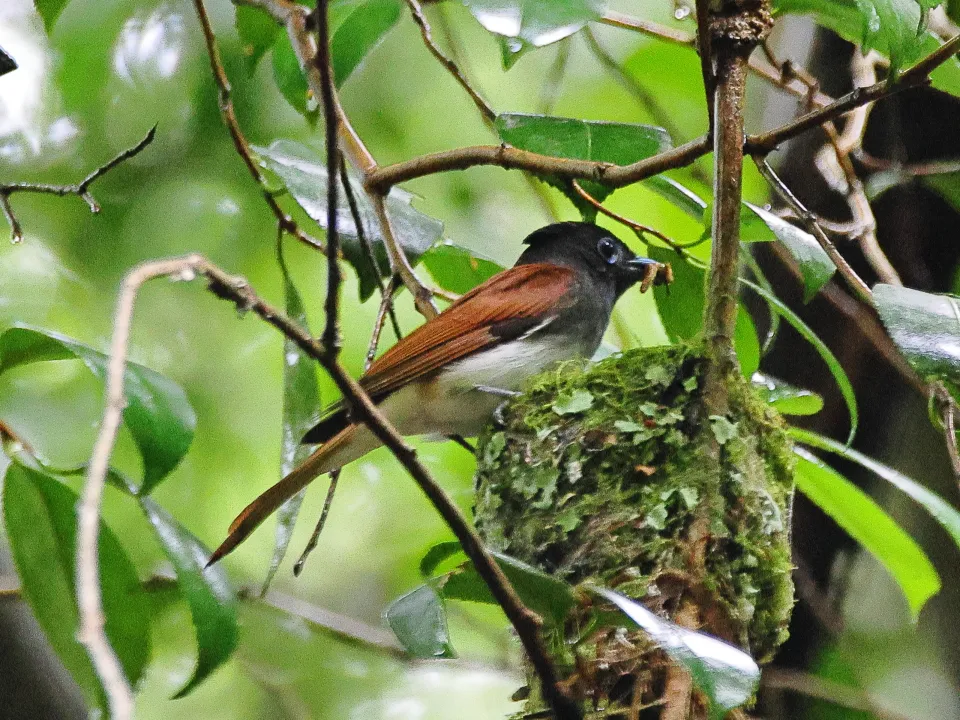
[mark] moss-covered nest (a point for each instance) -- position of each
(612, 475)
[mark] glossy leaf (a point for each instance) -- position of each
(925, 327)
(158, 414)
(680, 196)
(940, 510)
(50, 10)
(419, 621)
(258, 33)
(304, 173)
(836, 369)
(681, 308)
(292, 83)
(359, 33)
(726, 675)
(816, 267)
(868, 524)
(891, 27)
(301, 410)
(542, 593)
(207, 592)
(436, 555)
(533, 23)
(457, 269)
(787, 399)
(617, 143)
(40, 519)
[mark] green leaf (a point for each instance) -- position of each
(419, 621)
(816, 267)
(617, 143)
(207, 592)
(868, 524)
(158, 414)
(258, 32)
(544, 594)
(726, 675)
(787, 399)
(304, 174)
(533, 23)
(359, 33)
(925, 327)
(940, 510)
(40, 518)
(891, 27)
(572, 403)
(437, 555)
(723, 430)
(50, 10)
(457, 269)
(836, 369)
(680, 196)
(291, 81)
(301, 410)
(681, 309)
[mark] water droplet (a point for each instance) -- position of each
(292, 358)
(682, 12)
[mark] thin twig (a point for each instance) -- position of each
(331, 331)
(772, 71)
(809, 220)
(80, 189)
(229, 116)
(386, 289)
(916, 76)
(89, 600)
(386, 307)
(294, 19)
(321, 523)
(237, 290)
(420, 19)
(511, 158)
(632, 224)
(704, 49)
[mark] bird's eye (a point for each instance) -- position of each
(608, 250)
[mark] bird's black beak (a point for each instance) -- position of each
(640, 264)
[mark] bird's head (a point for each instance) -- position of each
(590, 249)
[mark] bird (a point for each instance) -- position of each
(451, 374)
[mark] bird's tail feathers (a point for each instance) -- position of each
(270, 501)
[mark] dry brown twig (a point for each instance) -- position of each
(80, 189)
(229, 115)
(451, 66)
(238, 291)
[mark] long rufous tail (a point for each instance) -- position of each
(270, 501)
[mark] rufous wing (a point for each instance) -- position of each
(502, 309)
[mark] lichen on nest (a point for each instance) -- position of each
(598, 474)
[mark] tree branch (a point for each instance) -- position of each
(809, 220)
(237, 290)
(229, 116)
(420, 19)
(331, 330)
(80, 189)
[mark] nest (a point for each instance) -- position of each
(612, 475)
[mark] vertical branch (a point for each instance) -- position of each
(732, 30)
(721, 311)
(331, 331)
